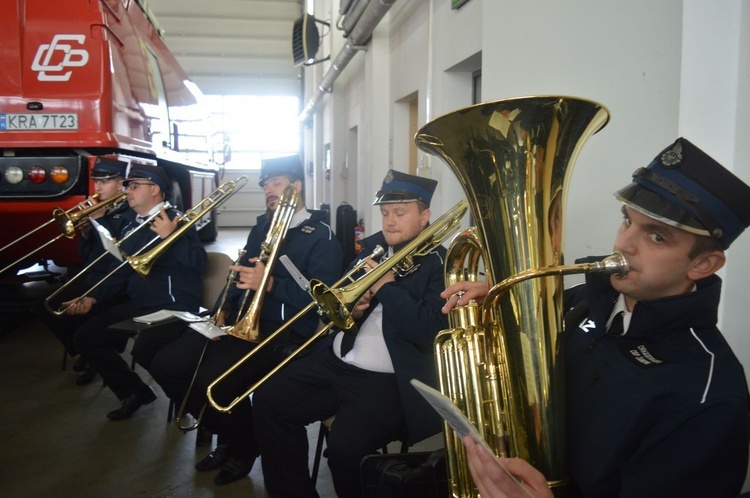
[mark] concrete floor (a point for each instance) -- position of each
(59, 442)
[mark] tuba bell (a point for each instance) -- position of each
(501, 362)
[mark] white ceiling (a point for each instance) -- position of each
(233, 46)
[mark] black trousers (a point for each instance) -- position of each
(101, 347)
(368, 414)
(173, 368)
(64, 326)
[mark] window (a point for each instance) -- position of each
(254, 127)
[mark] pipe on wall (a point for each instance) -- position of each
(360, 36)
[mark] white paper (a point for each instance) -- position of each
(458, 421)
(455, 418)
(158, 316)
(208, 329)
(109, 243)
(161, 315)
(295, 273)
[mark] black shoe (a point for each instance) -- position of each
(80, 365)
(233, 470)
(213, 460)
(131, 404)
(86, 377)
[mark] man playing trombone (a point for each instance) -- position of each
(173, 283)
(314, 250)
(107, 176)
(364, 383)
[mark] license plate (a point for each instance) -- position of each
(20, 122)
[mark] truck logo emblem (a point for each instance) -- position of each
(71, 57)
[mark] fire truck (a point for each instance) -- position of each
(82, 79)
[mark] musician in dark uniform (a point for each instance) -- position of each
(657, 400)
(362, 380)
(315, 251)
(173, 283)
(107, 176)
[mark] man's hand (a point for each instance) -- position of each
(249, 277)
(494, 482)
(460, 293)
(388, 277)
(80, 306)
(362, 305)
(162, 225)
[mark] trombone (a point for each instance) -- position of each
(247, 328)
(117, 243)
(141, 261)
(337, 302)
(67, 222)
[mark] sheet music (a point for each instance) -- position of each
(208, 329)
(108, 242)
(295, 273)
(162, 315)
(458, 421)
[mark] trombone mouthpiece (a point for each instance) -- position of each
(377, 252)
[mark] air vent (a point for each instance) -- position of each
(305, 40)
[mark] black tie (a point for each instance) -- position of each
(347, 342)
(140, 219)
(616, 327)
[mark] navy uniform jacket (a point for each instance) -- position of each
(661, 411)
(91, 247)
(412, 317)
(175, 278)
(314, 250)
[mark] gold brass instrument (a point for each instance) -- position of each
(247, 328)
(501, 363)
(141, 261)
(336, 302)
(62, 309)
(66, 222)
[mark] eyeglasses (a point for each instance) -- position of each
(134, 185)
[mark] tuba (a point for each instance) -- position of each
(501, 362)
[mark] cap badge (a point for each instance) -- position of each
(673, 156)
(388, 177)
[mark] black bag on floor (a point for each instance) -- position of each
(405, 475)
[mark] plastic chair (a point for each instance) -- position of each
(325, 427)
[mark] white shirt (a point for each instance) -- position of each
(370, 351)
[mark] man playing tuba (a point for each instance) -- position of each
(657, 402)
(315, 251)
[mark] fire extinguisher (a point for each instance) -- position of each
(359, 234)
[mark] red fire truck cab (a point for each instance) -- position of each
(82, 79)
